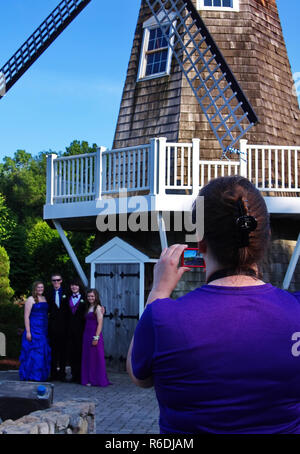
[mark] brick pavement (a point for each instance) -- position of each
(121, 408)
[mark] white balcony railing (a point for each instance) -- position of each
(274, 169)
(160, 168)
(126, 168)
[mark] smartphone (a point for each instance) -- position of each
(192, 258)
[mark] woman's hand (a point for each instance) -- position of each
(94, 343)
(28, 337)
(166, 272)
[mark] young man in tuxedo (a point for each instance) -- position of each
(58, 327)
(77, 307)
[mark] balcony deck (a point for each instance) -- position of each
(162, 177)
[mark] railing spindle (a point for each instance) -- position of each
(175, 166)
(134, 183)
(270, 169)
(129, 183)
(276, 169)
(282, 169)
(168, 165)
(182, 167)
(289, 169)
(296, 169)
(144, 169)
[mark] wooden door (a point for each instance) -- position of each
(118, 286)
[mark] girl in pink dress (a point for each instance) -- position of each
(93, 371)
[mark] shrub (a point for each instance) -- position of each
(6, 292)
(12, 325)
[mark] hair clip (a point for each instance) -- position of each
(245, 224)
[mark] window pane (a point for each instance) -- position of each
(150, 59)
(164, 42)
(149, 69)
(155, 68)
(156, 39)
(152, 39)
(157, 57)
(218, 3)
(157, 63)
(157, 60)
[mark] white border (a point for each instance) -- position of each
(235, 8)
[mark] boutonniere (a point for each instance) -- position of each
(81, 301)
(64, 296)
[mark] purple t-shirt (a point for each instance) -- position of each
(223, 360)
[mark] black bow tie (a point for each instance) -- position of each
(76, 295)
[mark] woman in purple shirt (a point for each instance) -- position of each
(223, 358)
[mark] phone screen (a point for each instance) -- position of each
(192, 258)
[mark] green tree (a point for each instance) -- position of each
(21, 272)
(23, 182)
(7, 221)
(34, 248)
(77, 147)
(45, 250)
(48, 254)
(6, 292)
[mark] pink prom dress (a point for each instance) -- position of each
(93, 370)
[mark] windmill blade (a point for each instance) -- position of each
(220, 96)
(38, 42)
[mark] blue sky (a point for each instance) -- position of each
(73, 91)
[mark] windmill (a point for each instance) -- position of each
(39, 41)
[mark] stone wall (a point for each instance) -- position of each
(72, 417)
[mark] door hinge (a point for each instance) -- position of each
(122, 275)
(111, 274)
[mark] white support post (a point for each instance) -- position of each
(98, 173)
(71, 252)
(162, 231)
(92, 279)
(243, 158)
(153, 157)
(142, 289)
(50, 178)
(292, 265)
(104, 159)
(196, 166)
(162, 145)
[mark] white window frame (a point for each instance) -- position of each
(151, 24)
(235, 6)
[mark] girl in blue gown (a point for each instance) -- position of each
(35, 358)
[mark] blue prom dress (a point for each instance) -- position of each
(35, 357)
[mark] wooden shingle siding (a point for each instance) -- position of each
(252, 42)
